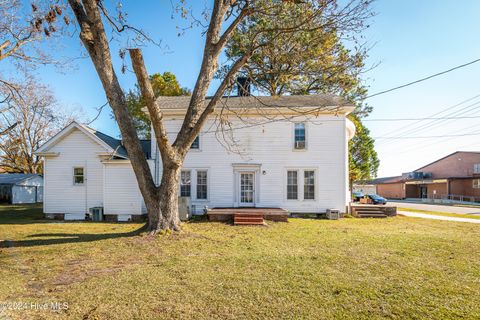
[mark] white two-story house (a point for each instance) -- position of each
(287, 152)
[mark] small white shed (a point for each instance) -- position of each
(17, 188)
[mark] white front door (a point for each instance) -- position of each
(247, 189)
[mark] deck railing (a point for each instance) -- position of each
(452, 198)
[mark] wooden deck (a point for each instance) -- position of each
(247, 215)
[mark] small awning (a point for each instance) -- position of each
(431, 181)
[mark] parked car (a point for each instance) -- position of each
(376, 199)
(356, 196)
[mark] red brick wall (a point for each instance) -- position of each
(412, 191)
(463, 187)
(457, 165)
(391, 190)
(440, 188)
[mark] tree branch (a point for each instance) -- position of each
(154, 109)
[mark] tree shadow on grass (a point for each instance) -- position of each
(22, 214)
(63, 238)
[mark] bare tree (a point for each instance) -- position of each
(224, 19)
(23, 25)
(37, 117)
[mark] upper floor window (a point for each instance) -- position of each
(476, 183)
(476, 168)
(300, 137)
(292, 185)
(78, 175)
(202, 185)
(185, 183)
(309, 185)
(196, 143)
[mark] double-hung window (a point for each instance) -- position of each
(292, 185)
(476, 168)
(196, 144)
(185, 183)
(309, 185)
(476, 183)
(300, 139)
(202, 185)
(78, 176)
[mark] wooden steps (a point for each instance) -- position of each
(240, 218)
(373, 211)
(372, 215)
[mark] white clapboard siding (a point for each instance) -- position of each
(270, 146)
(121, 192)
(60, 194)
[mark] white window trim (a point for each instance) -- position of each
(298, 171)
(199, 149)
(193, 183)
(293, 136)
(476, 168)
(180, 184)
(84, 176)
(301, 183)
(315, 185)
(477, 184)
(208, 185)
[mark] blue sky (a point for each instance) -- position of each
(410, 40)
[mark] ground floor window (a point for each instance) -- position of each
(202, 185)
(309, 185)
(78, 176)
(476, 183)
(292, 185)
(185, 183)
(298, 177)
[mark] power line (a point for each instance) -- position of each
(433, 124)
(423, 79)
(430, 144)
(414, 119)
(448, 108)
(422, 126)
(432, 137)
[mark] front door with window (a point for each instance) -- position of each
(423, 192)
(247, 189)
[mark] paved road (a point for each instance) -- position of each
(436, 207)
(434, 217)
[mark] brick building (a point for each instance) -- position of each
(456, 176)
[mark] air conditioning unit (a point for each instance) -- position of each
(96, 213)
(299, 144)
(333, 214)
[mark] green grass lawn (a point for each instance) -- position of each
(397, 268)
(439, 213)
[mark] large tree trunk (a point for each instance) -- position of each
(161, 202)
(95, 41)
(168, 193)
(163, 209)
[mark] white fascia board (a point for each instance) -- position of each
(73, 125)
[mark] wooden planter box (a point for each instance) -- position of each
(366, 201)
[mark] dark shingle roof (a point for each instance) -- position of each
(294, 101)
(14, 178)
(117, 145)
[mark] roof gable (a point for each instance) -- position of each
(66, 131)
(110, 144)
